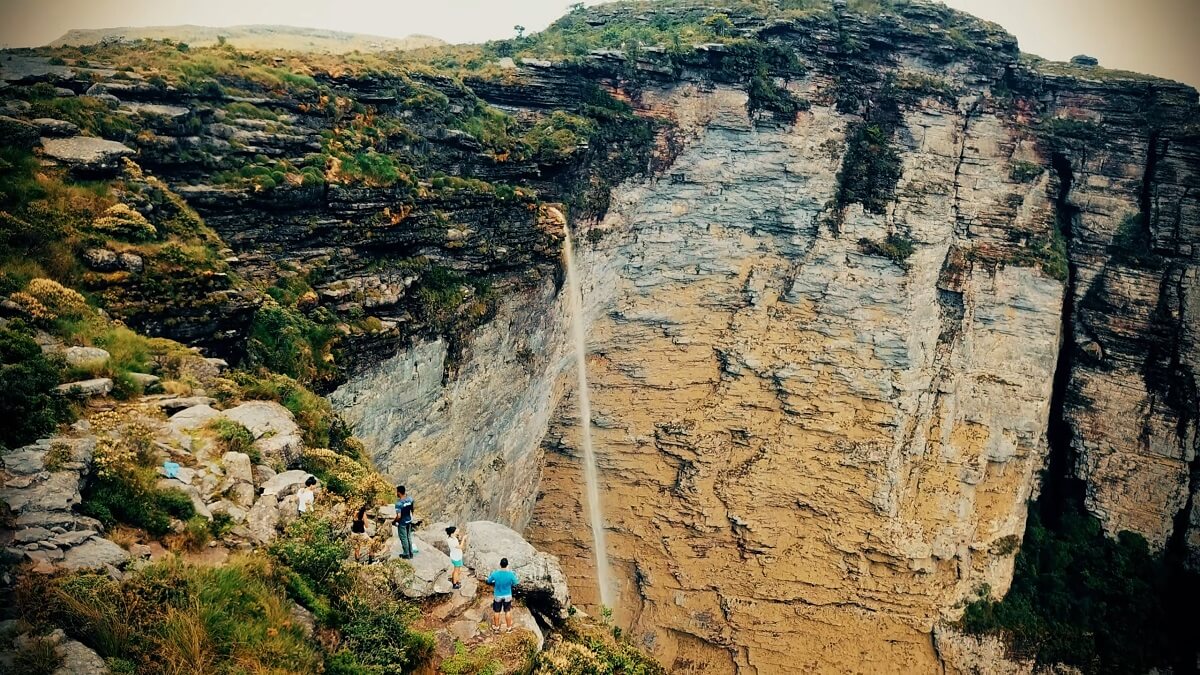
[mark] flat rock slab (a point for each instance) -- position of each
(49, 126)
(174, 404)
(86, 388)
(157, 110)
(192, 418)
(24, 462)
(32, 68)
(94, 553)
(85, 151)
(59, 492)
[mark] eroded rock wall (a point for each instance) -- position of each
(809, 452)
(467, 448)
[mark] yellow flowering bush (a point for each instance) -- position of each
(31, 308)
(344, 476)
(112, 458)
(60, 300)
(122, 221)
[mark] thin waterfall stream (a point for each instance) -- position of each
(590, 479)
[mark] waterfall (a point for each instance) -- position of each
(591, 483)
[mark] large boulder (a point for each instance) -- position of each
(238, 467)
(286, 483)
(285, 449)
(82, 356)
(428, 572)
(77, 659)
(263, 519)
(236, 513)
(540, 577)
(95, 552)
(101, 260)
(263, 417)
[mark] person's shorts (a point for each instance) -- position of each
(503, 604)
(456, 563)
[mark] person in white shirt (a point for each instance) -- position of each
(455, 544)
(307, 496)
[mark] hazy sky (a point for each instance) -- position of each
(1153, 36)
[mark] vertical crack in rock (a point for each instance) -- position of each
(1061, 485)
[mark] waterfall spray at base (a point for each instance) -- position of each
(591, 482)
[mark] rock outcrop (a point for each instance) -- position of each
(41, 488)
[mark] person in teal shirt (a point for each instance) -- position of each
(502, 581)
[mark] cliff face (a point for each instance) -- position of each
(811, 453)
(870, 277)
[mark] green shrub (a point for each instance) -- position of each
(221, 524)
(87, 112)
(315, 549)
(197, 533)
(1082, 599)
(174, 617)
(131, 497)
(895, 247)
(377, 638)
(232, 436)
(870, 169)
(589, 648)
(125, 387)
(284, 340)
(1024, 172)
(764, 94)
(28, 403)
(477, 661)
(1133, 243)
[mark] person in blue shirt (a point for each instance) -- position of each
(404, 522)
(502, 581)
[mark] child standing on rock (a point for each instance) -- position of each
(455, 544)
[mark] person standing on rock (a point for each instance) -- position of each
(404, 522)
(455, 544)
(307, 496)
(502, 581)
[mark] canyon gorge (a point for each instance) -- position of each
(861, 288)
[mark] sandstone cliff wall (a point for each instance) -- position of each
(809, 452)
